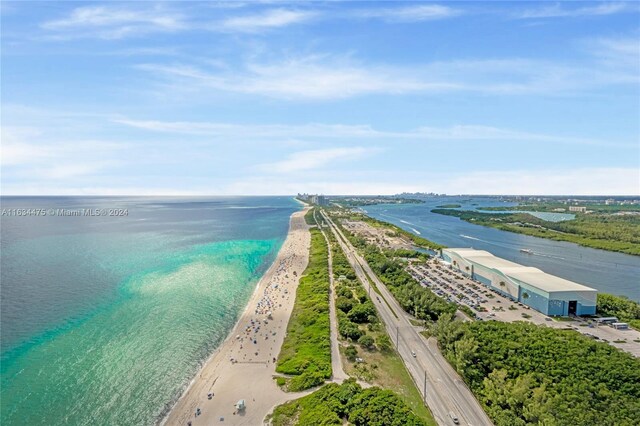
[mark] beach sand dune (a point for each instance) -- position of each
(243, 367)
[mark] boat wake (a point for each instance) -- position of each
(408, 223)
(415, 230)
(470, 238)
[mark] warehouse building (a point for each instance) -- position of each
(543, 292)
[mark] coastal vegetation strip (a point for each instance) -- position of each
(605, 232)
(347, 403)
(306, 350)
(366, 346)
(449, 206)
(562, 207)
(527, 374)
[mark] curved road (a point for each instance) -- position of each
(445, 391)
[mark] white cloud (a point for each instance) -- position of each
(314, 159)
(559, 11)
(617, 53)
(24, 155)
(418, 13)
(229, 131)
(111, 22)
(274, 18)
(306, 78)
(325, 77)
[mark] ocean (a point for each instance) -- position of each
(106, 319)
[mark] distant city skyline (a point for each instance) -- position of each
(334, 98)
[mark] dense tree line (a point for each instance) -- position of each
(526, 374)
(622, 307)
(347, 403)
(353, 305)
(415, 299)
(606, 232)
(306, 350)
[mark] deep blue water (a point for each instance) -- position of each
(605, 271)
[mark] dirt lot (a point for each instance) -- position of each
(384, 238)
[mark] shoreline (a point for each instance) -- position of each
(243, 367)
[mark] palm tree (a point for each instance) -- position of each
(525, 295)
(502, 284)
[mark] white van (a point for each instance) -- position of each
(454, 418)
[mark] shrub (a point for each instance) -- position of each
(344, 304)
(349, 330)
(367, 342)
(351, 352)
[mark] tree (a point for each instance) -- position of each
(367, 342)
(344, 304)
(361, 313)
(349, 330)
(351, 352)
(384, 343)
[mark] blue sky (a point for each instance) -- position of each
(333, 97)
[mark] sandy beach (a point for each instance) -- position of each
(243, 367)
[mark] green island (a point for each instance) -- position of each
(449, 206)
(527, 374)
(347, 403)
(619, 233)
(625, 309)
(560, 207)
(306, 350)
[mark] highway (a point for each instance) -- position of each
(445, 391)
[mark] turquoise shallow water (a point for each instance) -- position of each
(123, 320)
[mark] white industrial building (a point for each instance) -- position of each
(544, 292)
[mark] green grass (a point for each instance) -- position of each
(347, 403)
(306, 350)
(562, 319)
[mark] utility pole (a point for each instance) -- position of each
(425, 386)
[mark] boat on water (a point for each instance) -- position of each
(527, 251)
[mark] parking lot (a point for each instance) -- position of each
(488, 304)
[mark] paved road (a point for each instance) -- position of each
(445, 391)
(338, 374)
